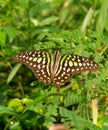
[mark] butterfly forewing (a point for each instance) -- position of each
(39, 62)
(70, 65)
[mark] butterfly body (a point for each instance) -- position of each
(55, 69)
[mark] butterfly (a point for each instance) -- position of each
(54, 68)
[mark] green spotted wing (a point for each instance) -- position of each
(54, 68)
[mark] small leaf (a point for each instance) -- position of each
(13, 73)
(2, 38)
(102, 17)
(24, 3)
(49, 20)
(11, 32)
(5, 110)
(14, 103)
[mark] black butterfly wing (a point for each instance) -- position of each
(39, 62)
(70, 65)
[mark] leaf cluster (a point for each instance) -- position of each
(77, 27)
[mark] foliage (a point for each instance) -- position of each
(78, 27)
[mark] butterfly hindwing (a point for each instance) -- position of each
(70, 65)
(39, 62)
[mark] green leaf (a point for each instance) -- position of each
(2, 38)
(87, 20)
(5, 110)
(40, 98)
(102, 17)
(48, 20)
(13, 72)
(24, 3)
(14, 103)
(79, 122)
(11, 32)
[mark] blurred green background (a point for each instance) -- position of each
(71, 26)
